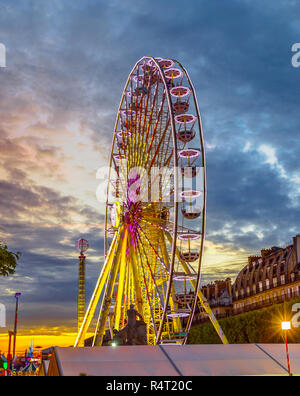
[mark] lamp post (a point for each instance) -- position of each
(10, 334)
(286, 326)
(17, 296)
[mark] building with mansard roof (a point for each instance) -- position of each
(272, 277)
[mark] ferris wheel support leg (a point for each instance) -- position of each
(214, 321)
(203, 301)
(119, 259)
(96, 295)
(120, 296)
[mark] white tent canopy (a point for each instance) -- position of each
(175, 360)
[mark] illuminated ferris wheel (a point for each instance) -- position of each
(155, 209)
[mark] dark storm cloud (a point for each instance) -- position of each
(243, 191)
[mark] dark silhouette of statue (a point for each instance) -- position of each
(135, 332)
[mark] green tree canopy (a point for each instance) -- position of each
(8, 260)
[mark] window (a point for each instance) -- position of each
(260, 285)
(292, 277)
(274, 282)
(282, 279)
(267, 284)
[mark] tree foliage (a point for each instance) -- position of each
(8, 260)
(260, 326)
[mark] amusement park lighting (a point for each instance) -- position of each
(114, 344)
(286, 325)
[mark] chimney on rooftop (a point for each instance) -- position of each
(296, 241)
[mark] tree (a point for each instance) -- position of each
(8, 260)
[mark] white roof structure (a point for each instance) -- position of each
(175, 360)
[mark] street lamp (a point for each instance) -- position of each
(286, 326)
(17, 296)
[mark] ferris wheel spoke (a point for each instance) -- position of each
(150, 269)
(147, 290)
(136, 277)
(120, 295)
(121, 172)
(141, 127)
(168, 155)
(173, 305)
(126, 300)
(157, 151)
(155, 129)
(151, 144)
(154, 250)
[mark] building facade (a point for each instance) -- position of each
(272, 277)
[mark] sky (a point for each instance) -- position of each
(66, 66)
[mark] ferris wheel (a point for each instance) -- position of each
(155, 209)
